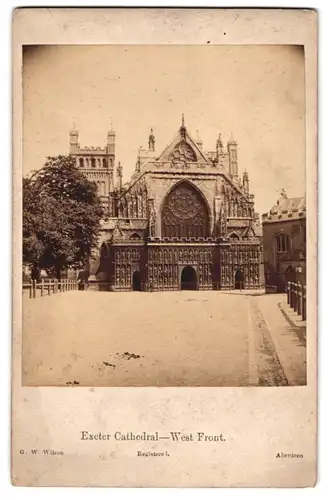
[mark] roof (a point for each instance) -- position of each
(286, 209)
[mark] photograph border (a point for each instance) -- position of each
(300, 25)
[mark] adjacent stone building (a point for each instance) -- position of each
(185, 220)
(284, 242)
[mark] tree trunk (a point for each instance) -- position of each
(58, 273)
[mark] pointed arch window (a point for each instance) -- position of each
(185, 213)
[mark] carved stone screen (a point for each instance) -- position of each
(183, 153)
(184, 213)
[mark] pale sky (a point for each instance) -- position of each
(255, 92)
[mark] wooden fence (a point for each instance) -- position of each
(296, 298)
(49, 287)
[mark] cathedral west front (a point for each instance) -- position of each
(184, 220)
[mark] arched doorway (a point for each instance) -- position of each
(189, 279)
(239, 279)
(136, 281)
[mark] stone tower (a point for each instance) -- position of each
(97, 163)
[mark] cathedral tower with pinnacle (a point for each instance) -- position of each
(97, 163)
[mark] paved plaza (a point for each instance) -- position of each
(184, 338)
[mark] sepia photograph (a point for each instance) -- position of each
(164, 247)
(164, 216)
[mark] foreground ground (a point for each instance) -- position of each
(161, 339)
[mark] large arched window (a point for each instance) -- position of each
(282, 243)
(185, 213)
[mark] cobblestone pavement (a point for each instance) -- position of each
(159, 339)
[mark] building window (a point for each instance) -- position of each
(282, 243)
(104, 163)
(81, 163)
(93, 163)
(185, 213)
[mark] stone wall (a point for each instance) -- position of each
(282, 266)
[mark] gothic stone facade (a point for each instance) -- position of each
(185, 220)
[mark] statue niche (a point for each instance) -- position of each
(185, 213)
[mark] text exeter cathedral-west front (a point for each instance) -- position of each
(185, 219)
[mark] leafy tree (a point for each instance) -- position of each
(61, 217)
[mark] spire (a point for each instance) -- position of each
(232, 139)
(245, 181)
(232, 147)
(183, 130)
(138, 165)
(111, 131)
(74, 131)
(151, 141)
(120, 175)
(219, 144)
(73, 139)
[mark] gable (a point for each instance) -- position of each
(183, 150)
(249, 232)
